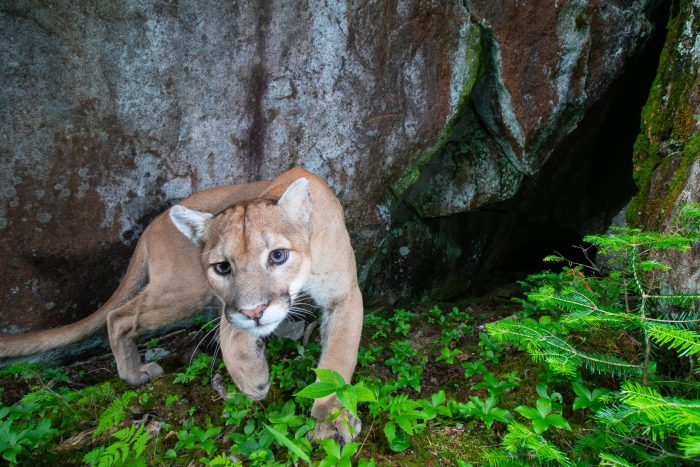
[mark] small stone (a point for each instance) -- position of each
(155, 354)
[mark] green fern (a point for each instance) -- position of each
(647, 402)
(564, 358)
(690, 445)
(126, 451)
(608, 459)
(683, 341)
(522, 438)
(114, 414)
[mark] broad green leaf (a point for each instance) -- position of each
(363, 393)
(399, 443)
(544, 406)
(528, 412)
(582, 391)
(390, 431)
(316, 390)
(557, 421)
(288, 443)
(438, 398)
(539, 425)
(327, 375)
(349, 450)
(348, 397)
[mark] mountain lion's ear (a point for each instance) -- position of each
(296, 201)
(192, 223)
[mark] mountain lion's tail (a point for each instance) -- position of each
(136, 277)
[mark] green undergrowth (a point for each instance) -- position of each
(587, 365)
(411, 363)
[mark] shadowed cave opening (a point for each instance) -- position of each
(583, 186)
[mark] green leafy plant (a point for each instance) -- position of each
(21, 430)
(127, 450)
(171, 399)
(221, 460)
(402, 321)
(293, 373)
(586, 399)
(495, 386)
(378, 323)
(330, 382)
(194, 437)
(253, 444)
(236, 407)
(335, 455)
(299, 448)
(487, 410)
(474, 368)
(542, 416)
(196, 371)
(448, 355)
(368, 355)
(490, 349)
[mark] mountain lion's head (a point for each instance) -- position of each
(255, 255)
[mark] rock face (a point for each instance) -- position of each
(419, 115)
(518, 170)
(667, 151)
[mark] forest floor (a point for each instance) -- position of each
(420, 358)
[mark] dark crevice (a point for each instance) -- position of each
(583, 185)
(589, 180)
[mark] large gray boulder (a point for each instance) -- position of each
(414, 111)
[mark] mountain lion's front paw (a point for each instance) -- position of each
(344, 428)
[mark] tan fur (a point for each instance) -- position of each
(170, 276)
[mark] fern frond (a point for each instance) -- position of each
(679, 319)
(659, 415)
(114, 414)
(127, 450)
(500, 458)
(684, 341)
(521, 437)
(676, 299)
(609, 364)
(599, 316)
(608, 459)
(690, 445)
(679, 412)
(564, 358)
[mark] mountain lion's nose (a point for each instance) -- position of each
(254, 313)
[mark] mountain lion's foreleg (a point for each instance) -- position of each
(340, 336)
(148, 310)
(244, 356)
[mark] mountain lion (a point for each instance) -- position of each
(255, 248)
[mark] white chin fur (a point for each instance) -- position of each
(272, 317)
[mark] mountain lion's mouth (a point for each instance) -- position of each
(262, 326)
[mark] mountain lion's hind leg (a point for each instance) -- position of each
(142, 313)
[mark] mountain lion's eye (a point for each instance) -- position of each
(279, 256)
(223, 268)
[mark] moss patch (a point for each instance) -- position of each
(668, 143)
